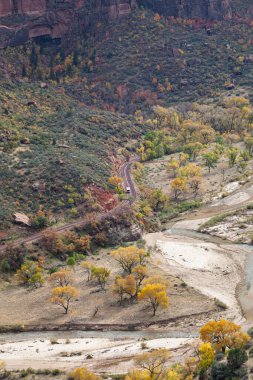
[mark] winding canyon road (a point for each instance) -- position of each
(125, 172)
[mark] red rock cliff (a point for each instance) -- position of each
(55, 18)
(51, 18)
(6, 7)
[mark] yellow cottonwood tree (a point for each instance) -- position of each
(153, 362)
(137, 374)
(82, 374)
(87, 265)
(101, 274)
(190, 170)
(63, 295)
(173, 165)
(124, 286)
(129, 257)
(178, 185)
(116, 182)
(223, 334)
(63, 277)
(155, 295)
(207, 355)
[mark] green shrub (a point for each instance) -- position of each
(39, 222)
(236, 358)
(219, 371)
(220, 304)
(250, 332)
(55, 372)
(251, 352)
(71, 261)
(54, 340)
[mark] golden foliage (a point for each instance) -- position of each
(63, 277)
(155, 295)
(87, 265)
(63, 295)
(83, 374)
(153, 362)
(129, 257)
(223, 334)
(207, 355)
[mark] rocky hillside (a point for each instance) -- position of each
(205, 9)
(22, 20)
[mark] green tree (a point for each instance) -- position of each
(210, 160)
(232, 154)
(192, 149)
(249, 145)
(30, 274)
(101, 274)
(158, 199)
(236, 358)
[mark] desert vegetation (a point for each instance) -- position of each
(166, 102)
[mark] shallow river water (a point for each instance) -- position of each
(246, 292)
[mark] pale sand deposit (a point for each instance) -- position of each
(231, 200)
(115, 355)
(192, 224)
(214, 270)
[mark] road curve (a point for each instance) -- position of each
(125, 172)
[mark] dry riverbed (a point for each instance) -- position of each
(109, 352)
(213, 269)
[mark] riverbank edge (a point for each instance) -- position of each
(73, 326)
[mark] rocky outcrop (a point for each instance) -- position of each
(21, 20)
(204, 9)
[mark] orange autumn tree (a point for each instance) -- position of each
(124, 286)
(223, 334)
(63, 277)
(129, 285)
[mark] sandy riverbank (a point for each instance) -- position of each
(113, 354)
(213, 269)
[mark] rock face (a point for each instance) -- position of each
(21, 20)
(6, 7)
(204, 9)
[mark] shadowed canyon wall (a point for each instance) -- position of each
(205, 9)
(21, 20)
